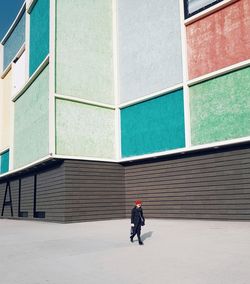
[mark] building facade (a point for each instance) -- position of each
(104, 102)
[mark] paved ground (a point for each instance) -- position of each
(175, 252)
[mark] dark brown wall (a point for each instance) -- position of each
(94, 190)
(71, 192)
(50, 194)
(204, 186)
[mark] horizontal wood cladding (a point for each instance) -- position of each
(71, 191)
(50, 184)
(214, 184)
(94, 190)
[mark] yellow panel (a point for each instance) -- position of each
(5, 94)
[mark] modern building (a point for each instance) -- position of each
(105, 102)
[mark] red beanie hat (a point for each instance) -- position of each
(138, 202)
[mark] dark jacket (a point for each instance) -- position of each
(137, 217)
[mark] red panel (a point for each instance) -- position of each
(219, 40)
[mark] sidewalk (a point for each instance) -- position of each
(175, 252)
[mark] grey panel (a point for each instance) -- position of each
(149, 47)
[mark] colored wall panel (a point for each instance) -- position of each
(39, 34)
(153, 126)
(150, 57)
(220, 108)
(14, 42)
(4, 163)
(5, 100)
(1, 112)
(219, 40)
(84, 50)
(84, 130)
(19, 73)
(31, 136)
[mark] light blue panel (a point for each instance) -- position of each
(4, 162)
(39, 34)
(150, 53)
(153, 126)
(14, 42)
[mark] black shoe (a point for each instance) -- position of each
(141, 243)
(131, 239)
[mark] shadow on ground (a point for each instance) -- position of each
(146, 235)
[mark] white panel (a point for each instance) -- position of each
(1, 58)
(19, 74)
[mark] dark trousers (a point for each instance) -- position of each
(137, 231)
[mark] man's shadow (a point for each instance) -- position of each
(146, 235)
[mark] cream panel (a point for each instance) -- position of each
(6, 89)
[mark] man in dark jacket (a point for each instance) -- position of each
(137, 220)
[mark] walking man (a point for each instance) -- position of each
(137, 220)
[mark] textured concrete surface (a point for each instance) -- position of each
(219, 40)
(76, 130)
(175, 251)
(219, 108)
(31, 122)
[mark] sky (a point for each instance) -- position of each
(8, 12)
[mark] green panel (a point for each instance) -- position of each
(39, 34)
(84, 62)
(220, 108)
(84, 130)
(4, 162)
(31, 136)
(153, 126)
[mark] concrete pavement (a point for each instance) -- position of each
(175, 252)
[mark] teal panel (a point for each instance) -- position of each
(4, 164)
(84, 130)
(84, 49)
(220, 108)
(31, 122)
(14, 42)
(153, 126)
(39, 34)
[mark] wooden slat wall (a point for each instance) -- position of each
(14, 192)
(50, 194)
(94, 191)
(213, 185)
(27, 195)
(205, 185)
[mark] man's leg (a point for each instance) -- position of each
(133, 233)
(139, 235)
